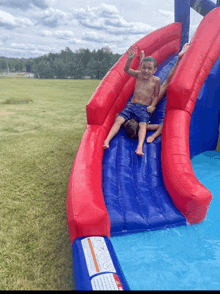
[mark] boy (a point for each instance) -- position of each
(145, 98)
(131, 126)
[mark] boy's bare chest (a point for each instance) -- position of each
(146, 88)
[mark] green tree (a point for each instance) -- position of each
(91, 68)
(79, 69)
(60, 70)
(67, 63)
(3, 64)
(85, 56)
(71, 69)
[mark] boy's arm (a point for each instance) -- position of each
(142, 56)
(131, 54)
(165, 84)
(130, 71)
(171, 73)
(155, 101)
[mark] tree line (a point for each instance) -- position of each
(67, 64)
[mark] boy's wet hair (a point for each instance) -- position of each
(151, 59)
(131, 127)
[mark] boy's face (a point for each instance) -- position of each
(147, 69)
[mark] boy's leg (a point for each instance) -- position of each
(114, 130)
(154, 127)
(141, 137)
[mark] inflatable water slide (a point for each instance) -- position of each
(115, 192)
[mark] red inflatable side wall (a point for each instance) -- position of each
(86, 210)
(188, 194)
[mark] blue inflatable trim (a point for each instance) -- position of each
(205, 119)
(96, 266)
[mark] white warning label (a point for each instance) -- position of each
(106, 282)
(98, 259)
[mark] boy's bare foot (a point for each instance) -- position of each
(105, 145)
(139, 151)
(185, 47)
(150, 139)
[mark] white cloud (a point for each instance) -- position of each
(119, 49)
(78, 41)
(192, 30)
(104, 10)
(23, 21)
(8, 21)
(27, 4)
(55, 24)
(103, 37)
(193, 27)
(52, 17)
(20, 53)
(65, 35)
(4, 37)
(166, 13)
(107, 18)
(44, 49)
(43, 4)
(107, 11)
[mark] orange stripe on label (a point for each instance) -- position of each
(93, 255)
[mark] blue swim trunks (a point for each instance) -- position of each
(136, 111)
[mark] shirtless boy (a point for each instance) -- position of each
(131, 126)
(145, 98)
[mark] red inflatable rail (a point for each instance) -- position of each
(188, 194)
(86, 210)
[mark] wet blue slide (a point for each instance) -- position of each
(135, 195)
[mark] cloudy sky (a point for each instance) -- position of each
(31, 28)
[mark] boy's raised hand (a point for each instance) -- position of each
(132, 52)
(142, 55)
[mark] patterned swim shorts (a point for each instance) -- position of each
(136, 111)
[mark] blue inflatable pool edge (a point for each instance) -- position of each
(96, 266)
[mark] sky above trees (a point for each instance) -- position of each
(32, 28)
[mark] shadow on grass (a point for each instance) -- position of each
(17, 101)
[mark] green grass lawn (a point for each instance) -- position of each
(38, 144)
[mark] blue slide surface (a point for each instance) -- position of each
(133, 187)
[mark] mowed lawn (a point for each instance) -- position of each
(38, 144)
